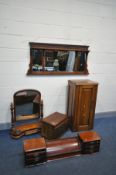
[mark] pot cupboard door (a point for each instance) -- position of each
(86, 105)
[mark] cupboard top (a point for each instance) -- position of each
(83, 82)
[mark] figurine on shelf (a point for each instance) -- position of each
(56, 65)
(35, 67)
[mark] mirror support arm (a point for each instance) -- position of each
(12, 114)
(41, 109)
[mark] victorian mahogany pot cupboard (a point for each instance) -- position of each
(82, 96)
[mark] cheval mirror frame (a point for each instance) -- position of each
(57, 59)
(26, 112)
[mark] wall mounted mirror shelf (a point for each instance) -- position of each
(57, 59)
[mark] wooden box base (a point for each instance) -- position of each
(25, 129)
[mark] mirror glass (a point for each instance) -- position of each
(68, 61)
(26, 104)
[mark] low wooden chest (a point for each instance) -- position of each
(54, 125)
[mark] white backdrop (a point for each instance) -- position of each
(86, 22)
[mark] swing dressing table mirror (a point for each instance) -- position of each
(26, 112)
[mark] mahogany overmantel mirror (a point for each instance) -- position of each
(57, 59)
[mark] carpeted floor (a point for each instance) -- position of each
(102, 163)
